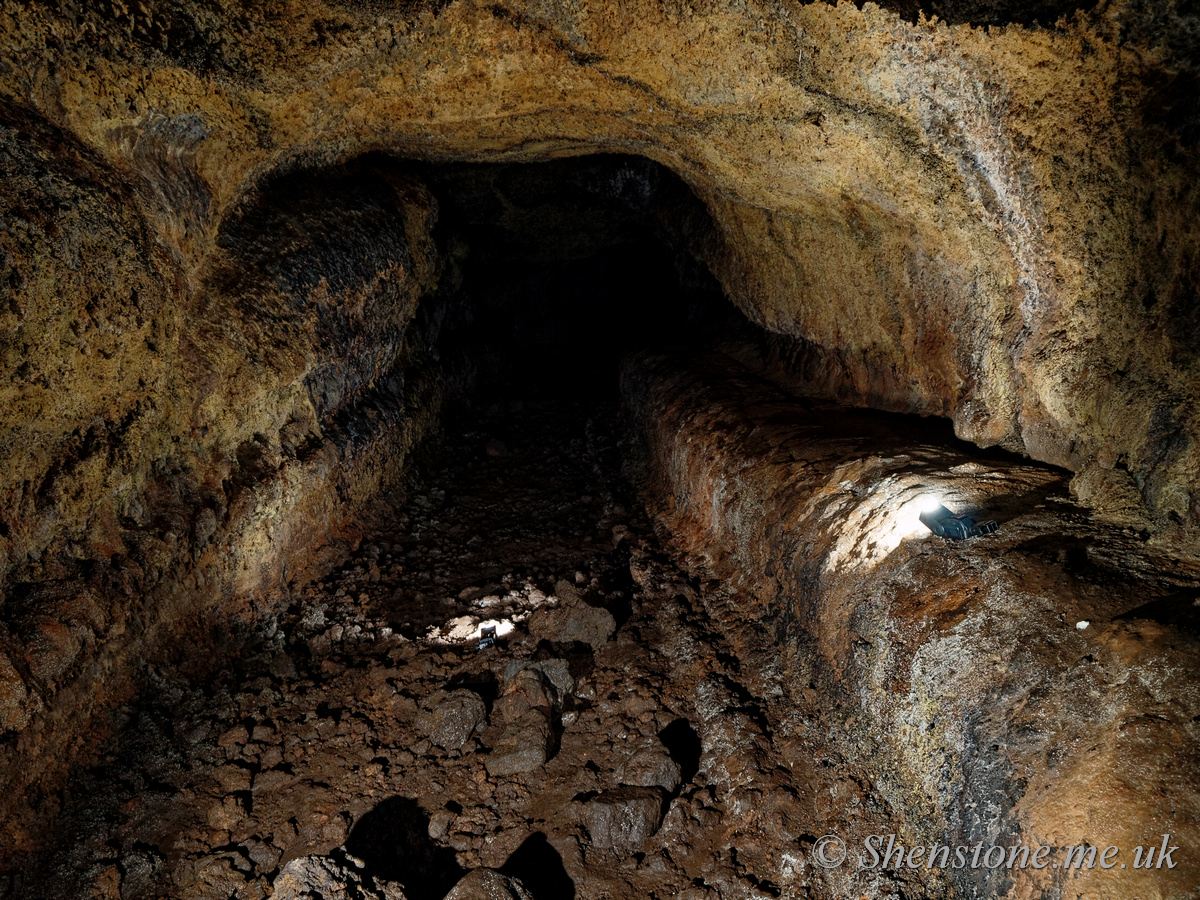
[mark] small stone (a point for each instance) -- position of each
(539, 684)
(449, 719)
(225, 815)
(272, 779)
(527, 689)
(488, 884)
(651, 766)
(265, 856)
(283, 666)
(440, 822)
(232, 778)
(235, 736)
(622, 819)
(270, 758)
(219, 875)
(524, 746)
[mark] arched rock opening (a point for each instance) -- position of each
(249, 267)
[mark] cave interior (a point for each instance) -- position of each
(463, 451)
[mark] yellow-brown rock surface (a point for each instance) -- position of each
(991, 224)
(1032, 687)
(206, 300)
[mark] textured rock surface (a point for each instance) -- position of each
(338, 770)
(990, 224)
(328, 878)
(528, 707)
(449, 719)
(652, 766)
(197, 440)
(488, 884)
(621, 819)
(1036, 686)
(574, 620)
(525, 745)
(221, 297)
(884, 695)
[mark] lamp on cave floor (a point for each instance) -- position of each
(942, 522)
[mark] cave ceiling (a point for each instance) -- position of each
(977, 210)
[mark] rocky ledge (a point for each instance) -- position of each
(1035, 686)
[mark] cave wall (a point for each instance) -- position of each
(990, 223)
(1036, 687)
(181, 453)
(207, 320)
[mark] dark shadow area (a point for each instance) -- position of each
(1006, 507)
(619, 587)
(482, 683)
(683, 744)
(1180, 611)
(988, 12)
(569, 265)
(393, 841)
(540, 868)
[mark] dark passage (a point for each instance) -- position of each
(567, 266)
(362, 737)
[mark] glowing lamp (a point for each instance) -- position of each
(958, 527)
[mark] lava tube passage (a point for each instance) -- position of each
(718, 451)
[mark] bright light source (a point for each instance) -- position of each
(503, 627)
(924, 503)
(956, 526)
(929, 503)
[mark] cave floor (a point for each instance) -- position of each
(349, 744)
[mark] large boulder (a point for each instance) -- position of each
(573, 619)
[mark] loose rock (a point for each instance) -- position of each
(450, 718)
(488, 884)
(330, 878)
(525, 745)
(621, 819)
